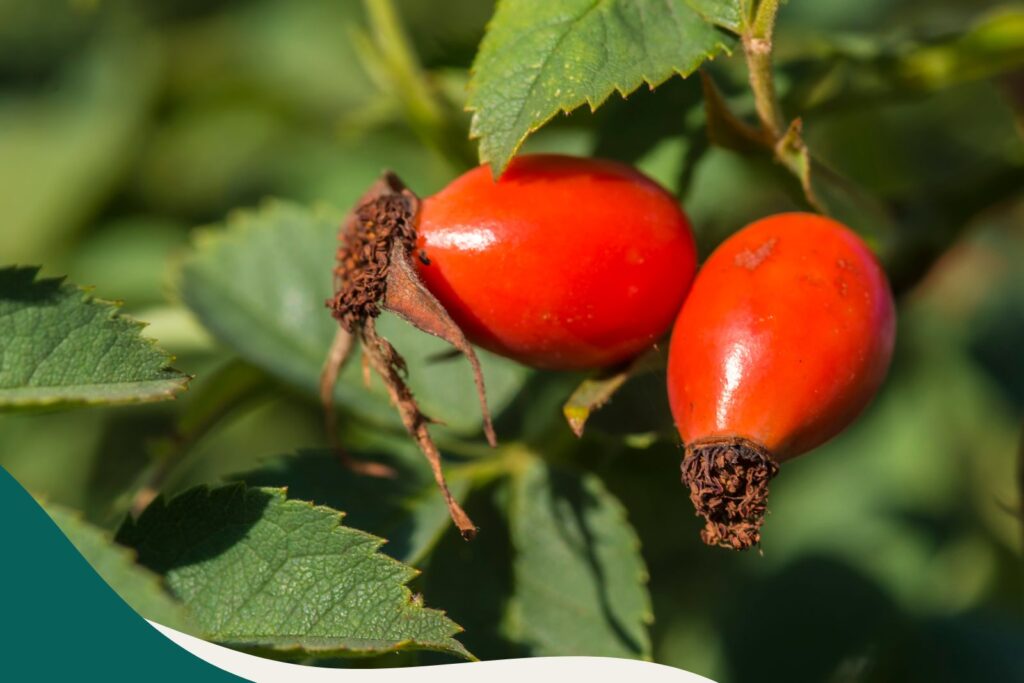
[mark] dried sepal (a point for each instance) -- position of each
(387, 184)
(406, 297)
(728, 480)
(339, 353)
(388, 364)
(365, 254)
(374, 272)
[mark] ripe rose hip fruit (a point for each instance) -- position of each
(564, 263)
(784, 339)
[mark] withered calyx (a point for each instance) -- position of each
(374, 272)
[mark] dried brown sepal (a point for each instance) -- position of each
(349, 231)
(406, 296)
(386, 361)
(351, 253)
(337, 356)
(340, 352)
(728, 481)
(374, 262)
(374, 271)
(365, 256)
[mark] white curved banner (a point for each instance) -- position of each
(594, 669)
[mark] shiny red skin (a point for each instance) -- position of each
(564, 263)
(785, 337)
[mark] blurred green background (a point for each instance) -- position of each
(892, 553)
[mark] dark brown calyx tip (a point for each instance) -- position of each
(728, 481)
(365, 256)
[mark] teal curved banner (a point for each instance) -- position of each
(61, 621)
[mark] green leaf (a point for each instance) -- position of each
(725, 13)
(140, 588)
(263, 573)
(62, 347)
(580, 582)
(539, 58)
(408, 509)
(260, 285)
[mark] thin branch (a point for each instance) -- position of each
(757, 48)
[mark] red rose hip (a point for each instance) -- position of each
(563, 263)
(784, 339)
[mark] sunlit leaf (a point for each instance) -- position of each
(539, 58)
(260, 572)
(406, 509)
(61, 347)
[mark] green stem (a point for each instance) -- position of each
(757, 47)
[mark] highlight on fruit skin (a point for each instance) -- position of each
(564, 263)
(784, 339)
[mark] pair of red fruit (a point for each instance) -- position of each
(568, 263)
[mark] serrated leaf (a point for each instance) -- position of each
(61, 347)
(140, 588)
(263, 573)
(539, 58)
(580, 582)
(406, 509)
(260, 285)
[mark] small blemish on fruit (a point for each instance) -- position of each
(752, 258)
